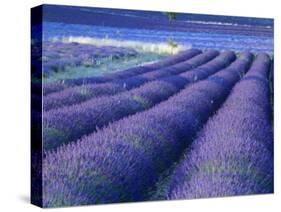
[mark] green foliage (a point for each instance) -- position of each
(172, 43)
(171, 15)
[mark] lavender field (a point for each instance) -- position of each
(178, 108)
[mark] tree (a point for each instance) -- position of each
(171, 15)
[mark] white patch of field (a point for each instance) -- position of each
(159, 48)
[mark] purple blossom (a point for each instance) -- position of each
(122, 161)
(182, 56)
(67, 124)
(233, 154)
(169, 61)
(58, 55)
(77, 94)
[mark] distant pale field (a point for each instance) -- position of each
(161, 38)
(150, 45)
(106, 66)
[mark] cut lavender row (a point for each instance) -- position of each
(122, 161)
(58, 86)
(82, 93)
(233, 153)
(67, 124)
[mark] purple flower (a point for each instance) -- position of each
(233, 154)
(182, 56)
(123, 161)
(77, 94)
(67, 124)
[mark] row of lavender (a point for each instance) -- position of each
(69, 123)
(233, 154)
(61, 85)
(123, 161)
(57, 55)
(55, 87)
(77, 94)
(85, 88)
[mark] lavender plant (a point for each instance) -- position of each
(67, 124)
(169, 61)
(182, 56)
(232, 155)
(120, 162)
(58, 55)
(79, 94)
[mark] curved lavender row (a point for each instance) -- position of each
(233, 153)
(169, 61)
(67, 124)
(78, 94)
(47, 88)
(185, 55)
(120, 162)
(52, 87)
